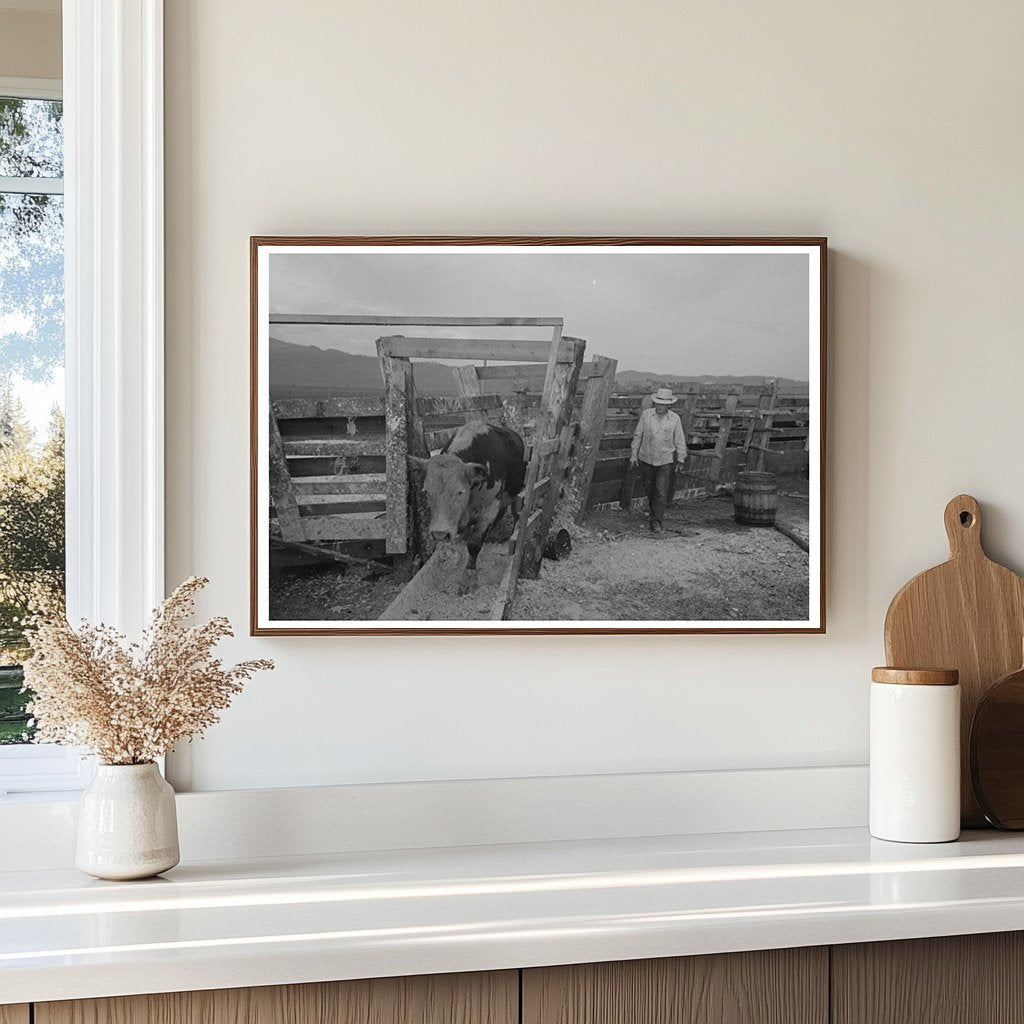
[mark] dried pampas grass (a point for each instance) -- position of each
(130, 703)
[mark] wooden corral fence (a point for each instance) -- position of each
(420, 426)
(327, 482)
(727, 431)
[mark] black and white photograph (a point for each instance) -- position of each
(537, 435)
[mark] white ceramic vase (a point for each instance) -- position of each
(127, 825)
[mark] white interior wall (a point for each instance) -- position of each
(895, 129)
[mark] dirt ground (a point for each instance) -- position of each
(705, 566)
(324, 593)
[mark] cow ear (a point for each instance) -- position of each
(416, 465)
(477, 474)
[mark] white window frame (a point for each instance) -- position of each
(114, 324)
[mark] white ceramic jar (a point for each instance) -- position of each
(127, 823)
(915, 755)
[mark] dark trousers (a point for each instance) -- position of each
(656, 480)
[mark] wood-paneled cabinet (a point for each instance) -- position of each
(961, 979)
(971, 979)
(775, 986)
(482, 998)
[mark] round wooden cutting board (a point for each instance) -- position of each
(967, 614)
(997, 752)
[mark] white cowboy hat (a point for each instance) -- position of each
(664, 396)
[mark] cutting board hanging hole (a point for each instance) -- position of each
(963, 526)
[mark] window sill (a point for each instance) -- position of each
(241, 923)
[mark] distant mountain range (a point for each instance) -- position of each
(639, 377)
(307, 369)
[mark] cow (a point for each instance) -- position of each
(478, 474)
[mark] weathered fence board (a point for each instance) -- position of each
(612, 441)
(281, 493)
(339, 504)
(446, 405)
(469, 383)
(323, 554)
(516, 372)
(469, 348)
(346, 528)
(416, 321)
(593, 412)
(531, 371)
(345, 483)
(327, 408)
(334, 447)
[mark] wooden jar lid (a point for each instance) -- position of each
(916, 676)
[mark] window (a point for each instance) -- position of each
(32, 531)
(112, 212)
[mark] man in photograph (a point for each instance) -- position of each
(659, 444)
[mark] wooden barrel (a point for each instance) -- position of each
(756, 499)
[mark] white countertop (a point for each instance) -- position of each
(298, 919)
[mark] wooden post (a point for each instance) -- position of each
(597, 392)
(556, 411)
(760, 429)
(281, 490)
(766, 432)
(748, 440)
(397, 381)
(683, 408)
(418, 518)
(629, 481)
(406, 520)
(539, 435)
(724, 429)
(557, 466)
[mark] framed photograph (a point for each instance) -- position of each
(537, 435)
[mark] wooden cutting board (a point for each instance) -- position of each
(967, 614)
(997, 752)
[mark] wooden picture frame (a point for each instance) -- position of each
(330, 463)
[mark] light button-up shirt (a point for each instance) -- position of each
(658, 439)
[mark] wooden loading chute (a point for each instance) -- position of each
(409, 431)
(339, 475)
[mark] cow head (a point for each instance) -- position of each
(448, 484)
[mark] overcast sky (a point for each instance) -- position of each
(679, 313)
